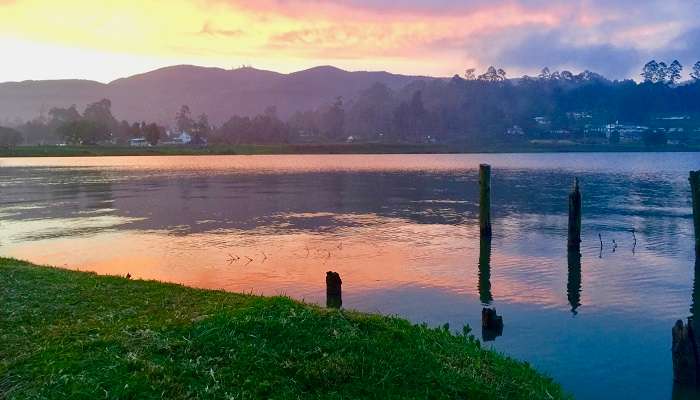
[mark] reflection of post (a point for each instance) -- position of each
(485, 200)
(695, 193)
(491, 324)
(334, 297)
(573, 286)
(684, 351)
(695, 301)
(574, 242)
(485, 271)
(683, 392)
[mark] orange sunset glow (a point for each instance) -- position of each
(107, 40)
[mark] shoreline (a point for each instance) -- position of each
(360, 148)
(67, 332)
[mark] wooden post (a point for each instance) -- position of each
(695, 193)
(485, 200)
(491, 324)
(574, 242)
(334, 295)
(684, 353)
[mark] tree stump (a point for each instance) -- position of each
(334, 295)
(491, 324)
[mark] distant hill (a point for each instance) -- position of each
(157, 95)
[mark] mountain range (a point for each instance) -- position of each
(157, 95)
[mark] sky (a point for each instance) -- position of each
(107, 39)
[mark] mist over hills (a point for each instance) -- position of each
(221, 93)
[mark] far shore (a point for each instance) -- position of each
(335, 148)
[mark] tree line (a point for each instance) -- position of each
(473, 107)
(94, 125)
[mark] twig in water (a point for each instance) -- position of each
(250, 260)
(614, 245)
(634, 246)
(264, 256)
(328, 257)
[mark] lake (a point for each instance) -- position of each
(402, 231)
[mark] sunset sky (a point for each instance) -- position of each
(104, 40)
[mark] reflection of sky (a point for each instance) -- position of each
(402, 232)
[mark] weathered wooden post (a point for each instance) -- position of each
(485, 200)
(334, 295)
(695, 193)
(574, 241)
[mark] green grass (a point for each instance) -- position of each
(338, 148)
(68, 334)
(76, 151)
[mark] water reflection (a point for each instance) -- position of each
(685, 340)
(399, 230)
(573, 285)
(485, 271)
(695, 300)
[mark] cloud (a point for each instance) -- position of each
(438, 37)
(208, 29)
(685, 47)
(550, 49)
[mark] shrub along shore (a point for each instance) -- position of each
(68, 334)
(336, 148)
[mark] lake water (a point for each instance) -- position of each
(402, 230)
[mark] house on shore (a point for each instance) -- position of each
(138, 142)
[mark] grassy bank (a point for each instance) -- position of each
(70, 334)
(352, 148)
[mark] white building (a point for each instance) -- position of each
(628, 133)
(138, 142)
(183, 138)
(175, 140)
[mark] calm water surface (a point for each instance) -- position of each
(402, 231)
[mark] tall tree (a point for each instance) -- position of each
(470, 74)
(100, 112)
(545, 74)
(183, 119)
(674, 72)
(662, 73)
(62, 115)
(493, 75)
(83, 132)
(650, 71)
(201, 129)
(153, 133)
(333, 120)
(9, 138)
(696, 71)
